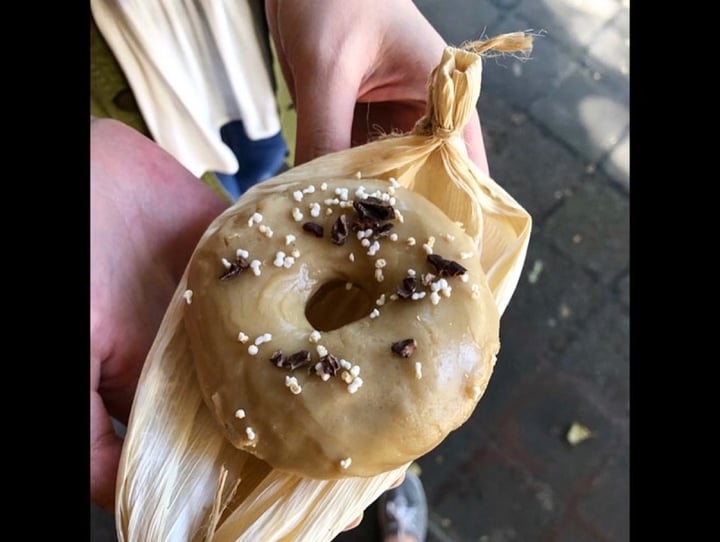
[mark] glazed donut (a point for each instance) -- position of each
(339, 328)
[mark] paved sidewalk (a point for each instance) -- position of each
(557, 135)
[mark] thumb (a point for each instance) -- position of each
(105, 448)
(325, 104)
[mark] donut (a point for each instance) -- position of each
(339, 328)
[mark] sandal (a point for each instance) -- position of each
(402, 511)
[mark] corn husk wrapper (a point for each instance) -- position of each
(179, 479)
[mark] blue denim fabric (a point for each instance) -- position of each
(259, 160)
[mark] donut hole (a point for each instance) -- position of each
(334, 305)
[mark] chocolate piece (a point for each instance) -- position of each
(330, 364)
(339, 230)
(374, 209)
(292, 362)
(316, 229)
(446, 268)
(404, 348)
(240, 264)
(407, 289)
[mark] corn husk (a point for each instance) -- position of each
(179, 479)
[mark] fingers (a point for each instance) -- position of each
(324, 112)
(398, 481)
(105, 448)
(357, 521)
(475, 143)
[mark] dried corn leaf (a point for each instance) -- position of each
(179, 479)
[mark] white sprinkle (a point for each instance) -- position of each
(355, 385)
(279, 258)
(355, 370)
(418, 370)
(346, 377)
(360, 193)
(399, 216)
(439, 285)
(256, 218)
(309, 190)
(411, 241)
(373, 248)
(314, 209)
(374, 313)
(342, 192)
(466, 255)
(448, 236)
(324, 377)
(380, 263)
(345, 463)
(188, 296)
(324, 186)
(348, 285)
(255, 266)
(435, 298)
(288, 262)
(380, 300)
(250, 433)
(239, 413)
(393, 237)
(394, 182)
(417, 295)
(351, 257)
(428, 247)
(226, 263)
(264, 338)
(266, 230)
(289, 239)
(314, 336)
(358, 175)
(328, 211)
(345, 364)
(242, 253)
(242, 337)
(447, 291)
(252, 350)
(292, 383)
(379, 275)
(411, 273)
(298, 196)
(297, 214)
(331, 201)
(392, 200)
(464, 277)
(321, 350)
(393, 297)
(365, 243)
(385, 197)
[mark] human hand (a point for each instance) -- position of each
(147, 213)
(353, 66)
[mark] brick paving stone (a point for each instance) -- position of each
(460, 20)
(592, 228)
(624, 286)
(570, 22)
(607, 503)
(588, 115)
(492, 499)
(617, 163)
(609, 53)
(520, 80)
(553, 298)
(533, 435)
(538, 171)
(600, 355)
